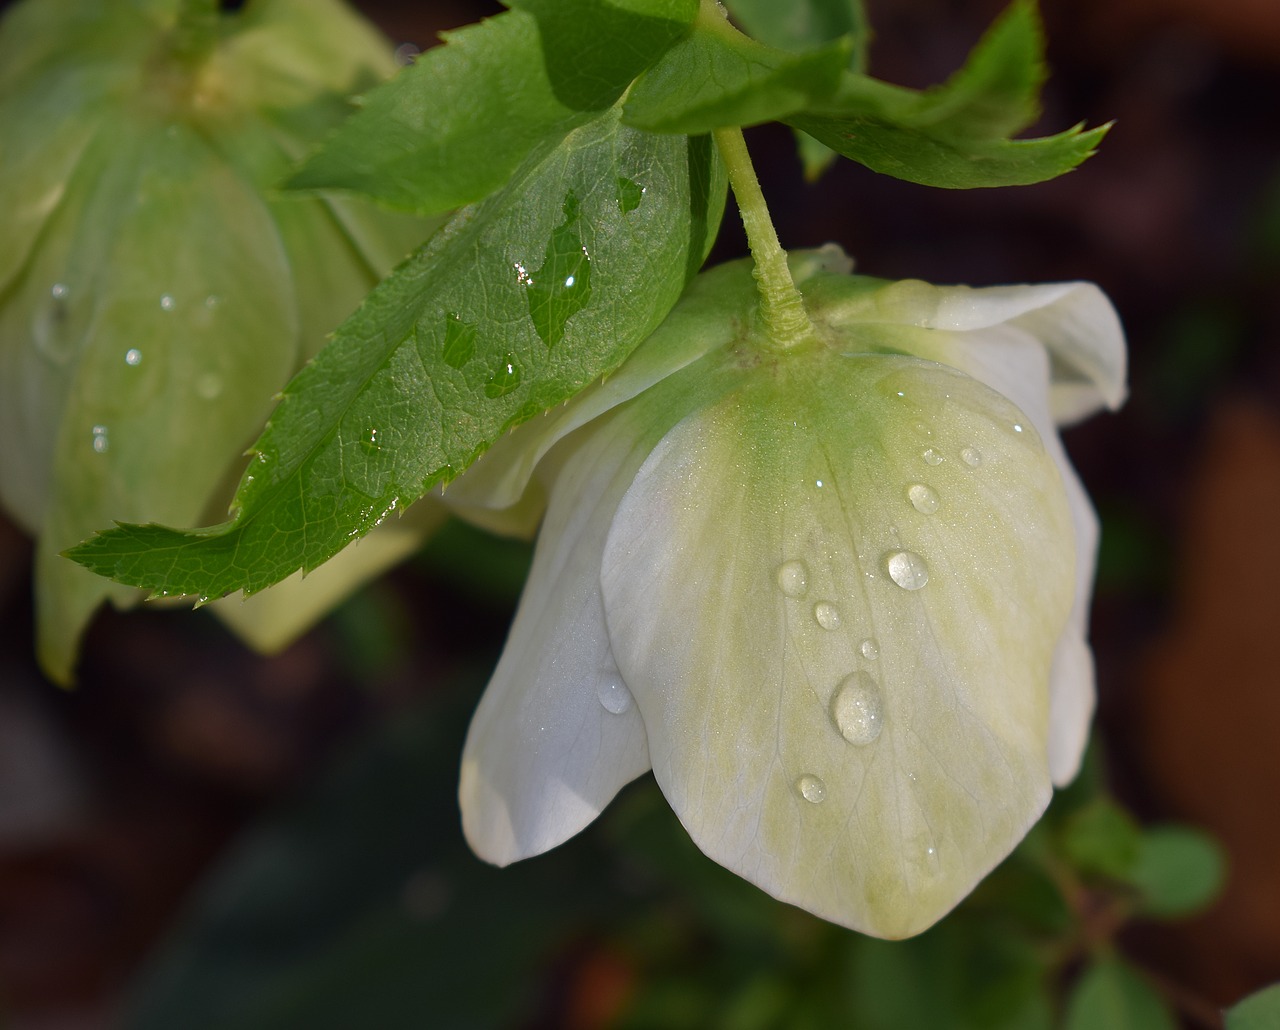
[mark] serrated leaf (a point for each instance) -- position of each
(455, 125)
(1111, 994)
(805, 24)
(1259, 1011)
(1178, 871)
(382, 414)
(952, 136)
(718, 77)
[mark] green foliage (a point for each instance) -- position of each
(1259, 1011)
(1112, 994)
(1178, 871)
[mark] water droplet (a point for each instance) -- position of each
(133, 356)
(629, 195)
(818, 483)
(907, 569)
(209, 386)
(870, 649)
(49, 327)
(924, 499)
(459, 341)
(406, 54)
(100, 442)
(793, 578)
(370, 441)
(503, 379)
(932, 457)
(614, 695)
(212, 301)
(827, 615)
(1017, 428)
(971, 456)
(166, 302)
(562, 286)
(58, 291)
(812, 789)
(857, 709)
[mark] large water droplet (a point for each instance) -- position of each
(923, 498)
(793, 578)
(629, 195)
(857, 709)
(614, 695)
(459, 341)
(100, 441)
(503, 379)
(971, 456)
(133, 357)
(932, 457)
(907, 569)
(827, 615)
(870, 649)
(562, 286)
(811, 788)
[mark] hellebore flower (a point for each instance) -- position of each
(835, 595)
(156, 289)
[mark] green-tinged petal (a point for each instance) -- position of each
(274, 618)
(557, 733)
(161, 345)
(712, 313)
(835, 596)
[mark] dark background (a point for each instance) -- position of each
(116, 798)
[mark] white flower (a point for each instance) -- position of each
(835, 596)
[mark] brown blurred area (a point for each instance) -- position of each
(115, 798)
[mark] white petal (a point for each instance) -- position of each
(757, 693)
(1011, 362)
(1074, 321)
(556, 734)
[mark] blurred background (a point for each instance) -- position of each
(206, 838)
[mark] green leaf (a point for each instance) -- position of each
(382, 414)
(455, 125)
(805, 24)
(1102, 839)
(1111, 994)
(953, 136)
(1179, 870)
(1259, 1011)
(716, 77)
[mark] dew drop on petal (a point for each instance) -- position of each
(811, 788)
(614, 695)
(907, 569)
(870, 649)
(923, 498)
(971, 457)
(793, 578)
(827, 615)
(931, 457)
(857, 709)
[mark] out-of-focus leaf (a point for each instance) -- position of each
(1111, 994)
(1259, 1011)
(1102, 839)
(1178, 871)
(806, 24)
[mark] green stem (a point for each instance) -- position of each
(781, 305)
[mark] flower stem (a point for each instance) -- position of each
(781, 305)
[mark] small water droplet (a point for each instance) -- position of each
(923, 498)
(209, 386)
(818, 483)
(58, 291)
(932, 457)
(406, 54)
(971, 456)
(812, 789)
(133, 356)
(166, 302)
(793, 578)
(1017, 428)
(870, 650)
(503, 379)
(827, 615)
(907, 569)
(857, 709)
(212, 301)
(100, 441)
(614, 695)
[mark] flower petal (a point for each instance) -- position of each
(557, 734)
(835, 596)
